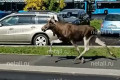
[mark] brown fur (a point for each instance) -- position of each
(67, 31)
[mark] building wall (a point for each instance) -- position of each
(11, 6)
(11, 0)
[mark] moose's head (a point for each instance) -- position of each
(50, 25)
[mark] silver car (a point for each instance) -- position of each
(111, 24)
(25, 28)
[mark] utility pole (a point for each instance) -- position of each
(89, 5)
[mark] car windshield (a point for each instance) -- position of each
(112, 17)
(70, 13)
(70, 10)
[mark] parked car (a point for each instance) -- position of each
(4, 13)
(26, 28)
(111, 24)
(75, 16)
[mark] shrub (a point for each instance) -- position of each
(96, 23)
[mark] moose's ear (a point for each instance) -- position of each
(53, 18)
(52, 21)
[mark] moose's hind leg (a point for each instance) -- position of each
(98, 41)
(50, 50)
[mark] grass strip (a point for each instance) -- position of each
(59, 51)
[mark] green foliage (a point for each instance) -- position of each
(62, 4)
(96, 23)
(34, 5)
(52, 5)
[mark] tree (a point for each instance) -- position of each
(34, 5)
(52, 5)
(61, 4)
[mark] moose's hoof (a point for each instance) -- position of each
(51, 55)
(78, 61)
(114, 56)
(82, 60)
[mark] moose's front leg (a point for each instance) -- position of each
(86, 48)
(77, 59)
(50, 50)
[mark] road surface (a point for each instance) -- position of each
(7, 75)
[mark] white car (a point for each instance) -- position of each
(25, 28)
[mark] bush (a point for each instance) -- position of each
(96, 23)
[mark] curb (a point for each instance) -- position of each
(59, 46)
(60, 70)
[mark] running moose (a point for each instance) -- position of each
(68, 32)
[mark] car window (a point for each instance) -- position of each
(112, 17)
(70, 10)
(26, 20)
(72, 13)
(9, 21)
(82, 12)
(43, 19)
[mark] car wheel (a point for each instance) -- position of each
(40, 40)
(69, 14)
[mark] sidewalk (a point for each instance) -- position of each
(47, 64)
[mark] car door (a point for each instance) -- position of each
(24, 28)
(6, 30)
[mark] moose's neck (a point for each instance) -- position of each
(57, 29)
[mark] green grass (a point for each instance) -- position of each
(96, 23)
(58, 51)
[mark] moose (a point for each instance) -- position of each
(68, 32)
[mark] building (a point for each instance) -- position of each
(11, 5)
(16, 5)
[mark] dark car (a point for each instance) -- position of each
(4, 13)
(75, 16)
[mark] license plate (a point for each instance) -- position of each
(112, 27)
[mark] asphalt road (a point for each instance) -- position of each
(35, 60)
(96, 62)
(7, 75)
